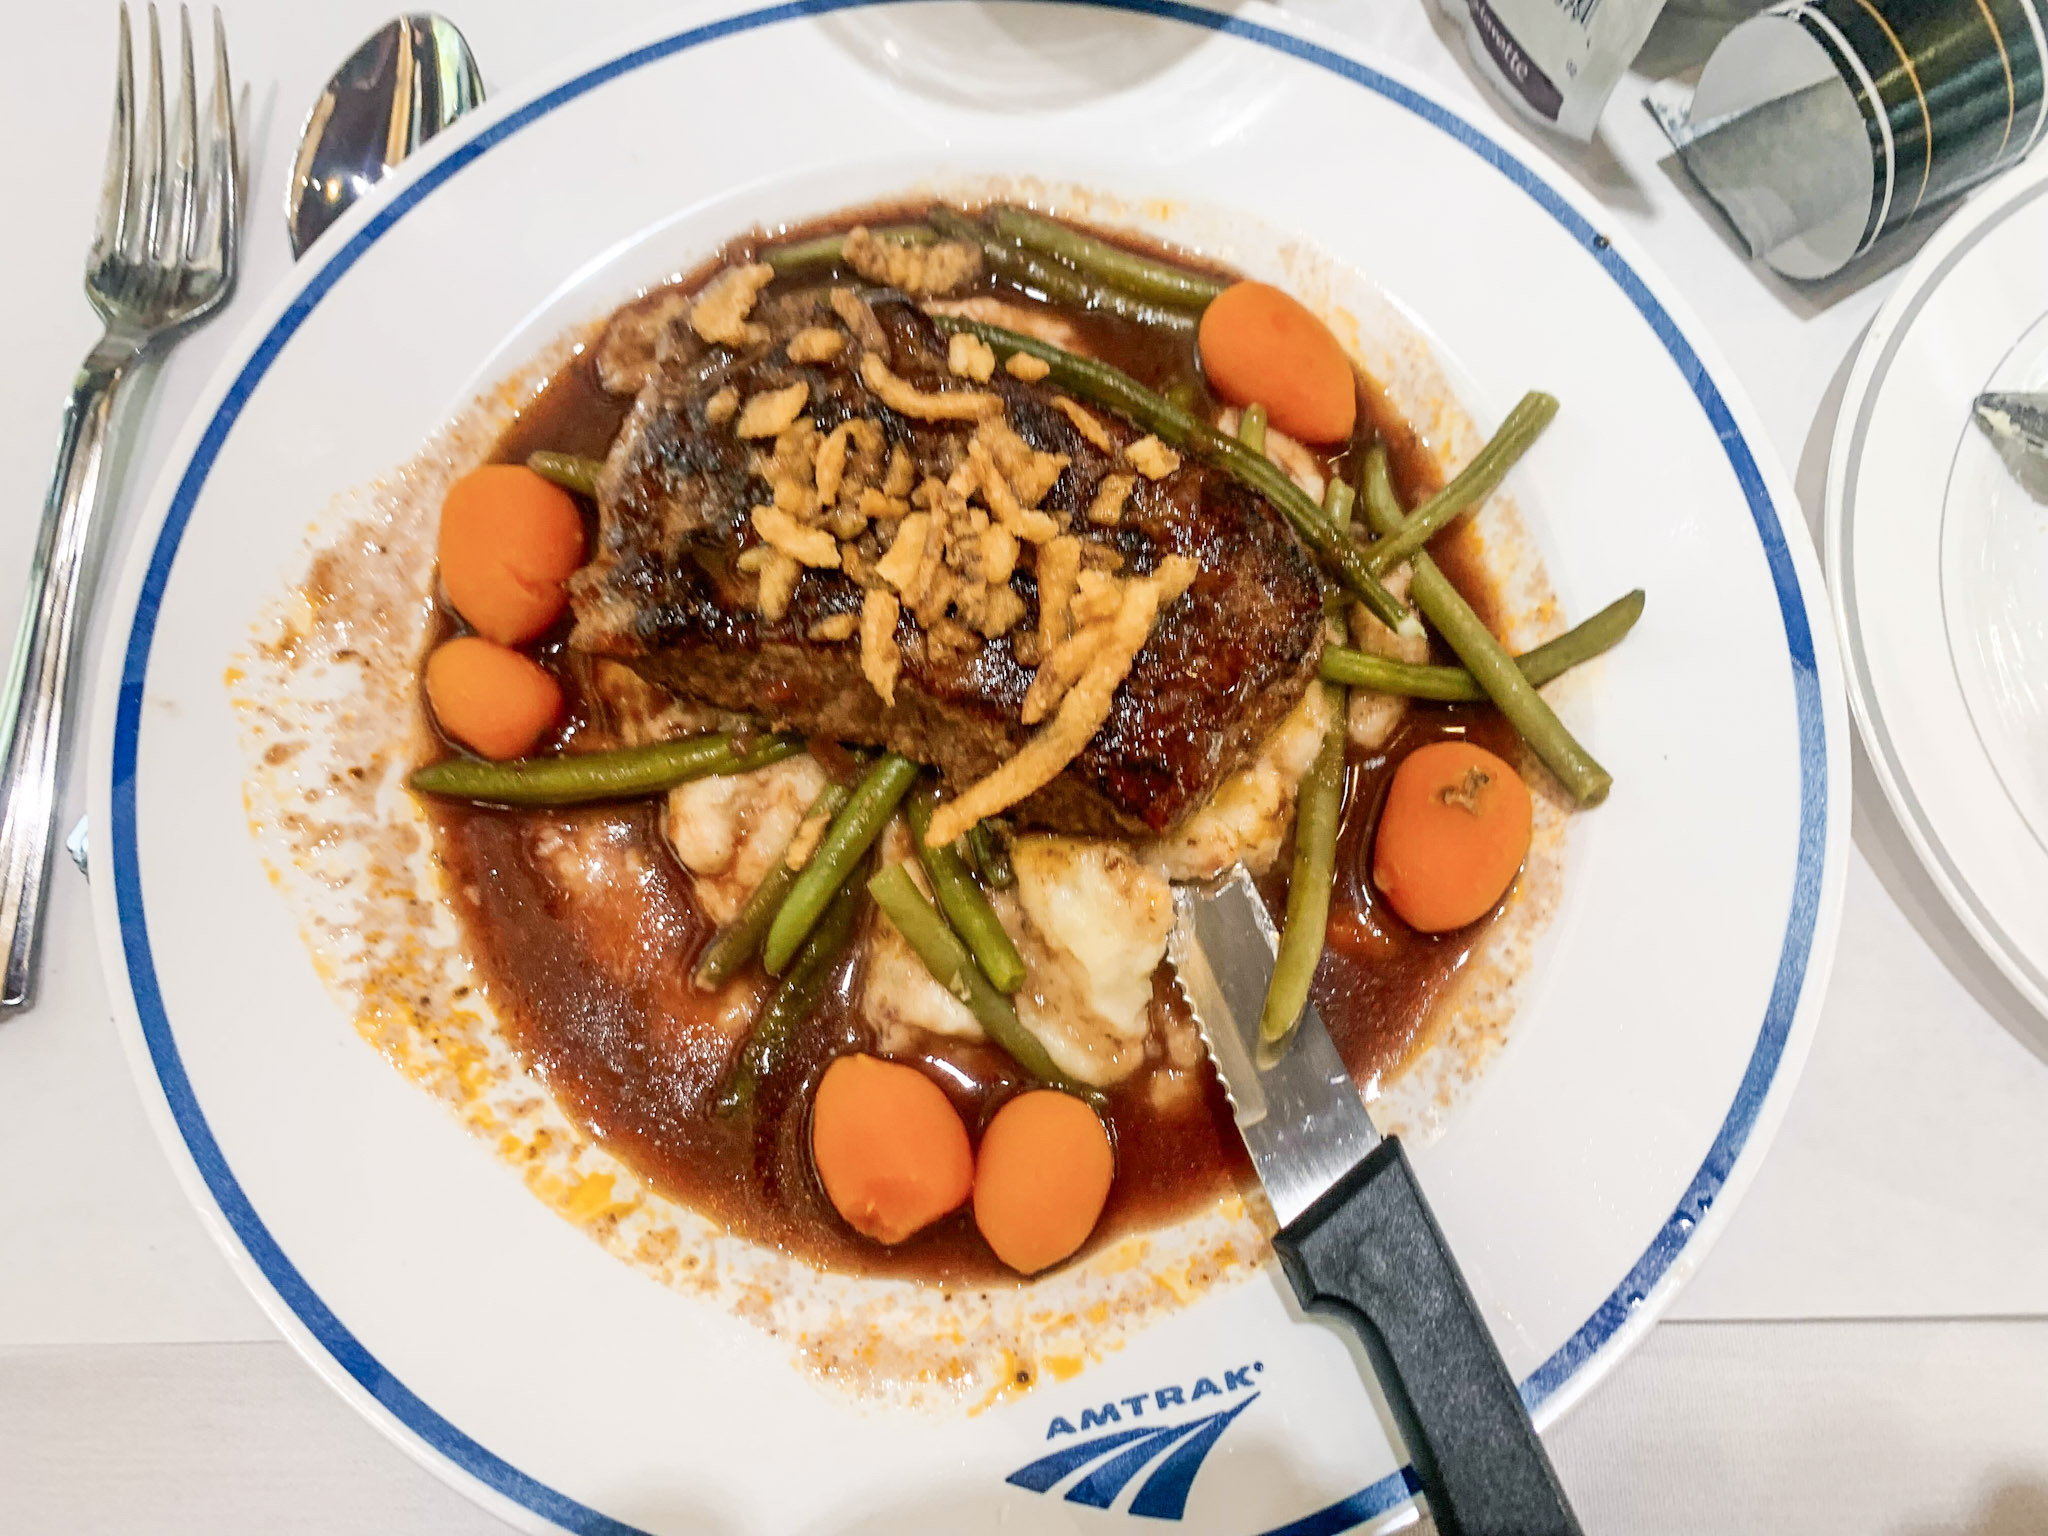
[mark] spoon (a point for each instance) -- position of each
(409, 80)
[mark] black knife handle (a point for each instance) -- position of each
(1370, 1252)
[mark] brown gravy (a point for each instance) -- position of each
(595, 986)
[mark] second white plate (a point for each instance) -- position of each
(1936, 556)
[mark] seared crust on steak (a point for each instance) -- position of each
(672, 590)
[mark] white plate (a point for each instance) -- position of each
(1940, 570)
(1673, 998)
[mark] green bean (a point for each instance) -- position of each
(830, 250)
(794, 1001)
(1317, 811)
(1118, 391)
(1055, 280)
(852, 832)
(1181, 394)
(943, 954)
(572, 778)
(1140, 276)
(1454, 685)
(1472, 484)
(1602, 632)
(991, 856)
(1376, 490)
(1337, 503)
(1489, 664)
(1251, 427)
(1382, 674)
(966, 908)
(571, 471)
(740, 940)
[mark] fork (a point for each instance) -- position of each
(162, 260)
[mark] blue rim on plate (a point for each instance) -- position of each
(501, 1476)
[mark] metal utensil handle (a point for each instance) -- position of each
(1370, 1252)
(37, 700)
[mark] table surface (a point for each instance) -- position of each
(1866, 1349)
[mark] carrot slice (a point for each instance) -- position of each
(888, 1146)
(490, 698)
(1454, 831)
(509, 539)
(1041, 1178)
(1262, 346)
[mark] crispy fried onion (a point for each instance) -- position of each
(855, 314)
(1107, 510)
(1085, 423)
(1059, 575)
(917, 269)
(1115, 644)
(902, 396)
(807, 546)
(778, 583)
(880, 658)
(766, 414)
(970, 357)
(720, 313)
(1026, 523)
(816, 344)
(1152, 458)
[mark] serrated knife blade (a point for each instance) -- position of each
(1357, 1238)
(2016, 419)
(1301, 1118)
(2017, 425)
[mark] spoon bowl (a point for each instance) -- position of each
(410, 79)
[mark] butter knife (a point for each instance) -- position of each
(1357, 1239)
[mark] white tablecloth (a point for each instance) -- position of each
(1866, 1350)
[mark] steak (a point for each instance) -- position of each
(671, 590)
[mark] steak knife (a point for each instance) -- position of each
(1357, 1239)
(2017, 425)
(2017, 419)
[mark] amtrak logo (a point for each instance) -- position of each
(1173, 1453)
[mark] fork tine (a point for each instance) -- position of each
(147, 208)
(106, 235)
(183, 218)
(224, 164)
